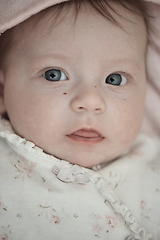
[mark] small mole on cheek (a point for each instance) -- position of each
(124, 99)
(64, 93)
(95, 86)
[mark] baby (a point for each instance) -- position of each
(73, 83)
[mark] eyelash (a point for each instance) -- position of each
(112, 77)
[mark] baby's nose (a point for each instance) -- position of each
(88, 100)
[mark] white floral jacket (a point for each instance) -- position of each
(42, 197)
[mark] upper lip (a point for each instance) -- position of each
(89, 130)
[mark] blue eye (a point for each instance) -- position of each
(54, 75)
(116, 79)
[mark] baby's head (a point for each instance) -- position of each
(74, 82)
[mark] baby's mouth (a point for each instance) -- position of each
(86, 136)
(86, 133)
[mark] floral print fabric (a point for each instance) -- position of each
(35, 204)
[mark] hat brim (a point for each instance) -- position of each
(14, 12)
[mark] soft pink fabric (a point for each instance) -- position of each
(12, 12)
(151, 123)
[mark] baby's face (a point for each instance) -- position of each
(78, 90)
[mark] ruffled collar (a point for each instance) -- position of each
(64, 170)
(7, 132)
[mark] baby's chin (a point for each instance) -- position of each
(84, 161)
(86, 155)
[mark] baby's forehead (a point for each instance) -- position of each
(111, 11)
(68, 34)
(56, 19)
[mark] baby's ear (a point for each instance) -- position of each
(2, 105)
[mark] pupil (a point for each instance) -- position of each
(52, 75)
(112, 80)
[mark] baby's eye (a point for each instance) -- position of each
(116, 79)
(54, 75)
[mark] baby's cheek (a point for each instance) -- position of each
(135, 121)
(130, 121)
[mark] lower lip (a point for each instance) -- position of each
(85, 140)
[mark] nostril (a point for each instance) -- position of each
(98, 109)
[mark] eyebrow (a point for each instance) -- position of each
(66, 57)
(42, 57)
(129, 62)
(53, 56)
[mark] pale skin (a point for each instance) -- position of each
(87, 51)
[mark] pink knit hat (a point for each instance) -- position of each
(12, 12)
